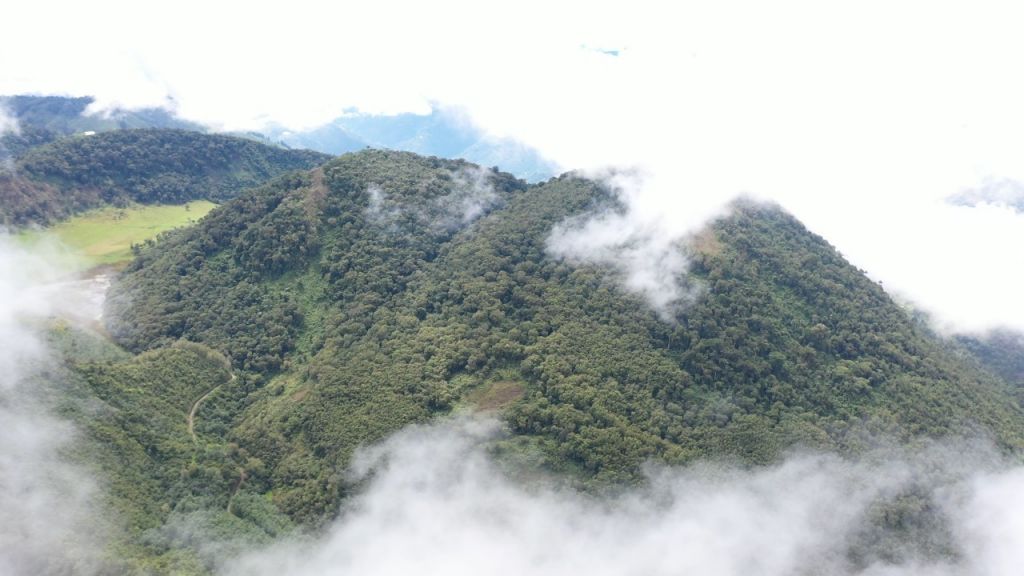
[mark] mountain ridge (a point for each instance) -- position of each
(379, 318)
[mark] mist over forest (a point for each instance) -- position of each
(427, 288)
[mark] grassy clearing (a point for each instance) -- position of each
(496, 396)
(105, 236)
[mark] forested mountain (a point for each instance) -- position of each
(43, 119)
(147, 166)
(385, 288)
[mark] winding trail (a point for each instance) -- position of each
(195, 408)
(242, 476)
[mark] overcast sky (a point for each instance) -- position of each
(860, 118)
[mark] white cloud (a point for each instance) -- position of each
(436, 504)
(1004, 192)
(645, 250)
(470, 195)
(48, 516)
(858, 118)
(991, 523)
(8, 124)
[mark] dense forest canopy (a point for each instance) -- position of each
(309, 291)
(327, 304)
(359, 297)
(334, 303)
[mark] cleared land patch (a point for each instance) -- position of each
(496, 396)
(106, 235)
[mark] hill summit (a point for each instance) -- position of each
(384, 288)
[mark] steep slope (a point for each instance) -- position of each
(385, 288)
(338, 222)
(167, 474)
(147, 166)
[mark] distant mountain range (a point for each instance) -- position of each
(43, 119)
(440, 133)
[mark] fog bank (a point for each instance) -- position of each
(48, 514)
(436, 504)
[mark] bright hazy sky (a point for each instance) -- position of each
(860, 118)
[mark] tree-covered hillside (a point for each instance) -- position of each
(147, 166)
(152, 431)
(385, 288)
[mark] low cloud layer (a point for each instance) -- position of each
(48, 519)
(435, 503)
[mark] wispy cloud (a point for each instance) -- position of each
(470, 195)
(8, 123)
(635, 240)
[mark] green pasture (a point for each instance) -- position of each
(105, 236)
